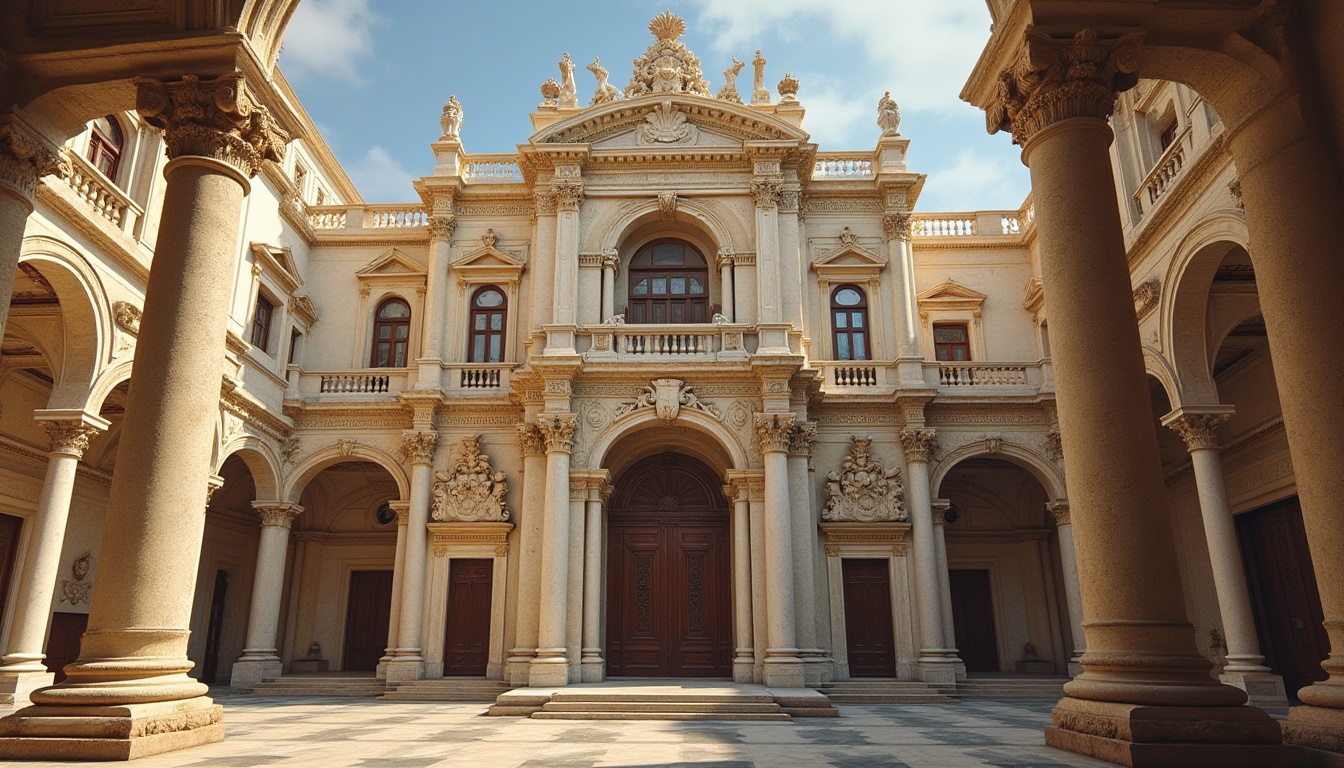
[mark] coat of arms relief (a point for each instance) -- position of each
(863, 490)
(474, 492)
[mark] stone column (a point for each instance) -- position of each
(1292, 199)
(803, 526)
(939, 509)
(23, 670)
(24, 159)
(435, 321)
(1245, 667)
(260, 658)
(765, 191)
(551, 666)
(133, 655)
(783, 666)
(568, 199)
(726, 283)
(934, 664)
(896, 225)
(403, 510)
(756, 512)
(407, 662)
(1141, 650)
(1073, 591)
(593, 669)
(530, 519)
(743, 654)
(611, 264)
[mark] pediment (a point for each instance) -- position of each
(280, 261)
(393, 263)
(717, 119)
(951, 291)
(848, 256)
(488, 264)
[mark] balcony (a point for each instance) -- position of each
(386, 222)
(1162, 178)
(671, 343)
(856, 377)
(998, 377)
(367, 384)
(477, 379)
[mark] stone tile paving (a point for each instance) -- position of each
(332, 732)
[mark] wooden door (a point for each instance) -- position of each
(973, 620)
(215, 628)
(669, 608)
(10, 528)
(1288, 613)
(368, 611)
(868, 630)
(466, 638)
(63, 641)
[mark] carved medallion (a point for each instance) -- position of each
(474, 492)
(863, 490)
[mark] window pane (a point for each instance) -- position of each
(860, 347)
(497, 321)
(668, 254)
(842, 346)
(394, 309)
(848, 297)
(384, 331)
(679, 286)
(495, 356)
(958, 354)
(660, 286)
(400, 360)
(949, 333)
(403, 331)
(857, 318)
(841, 319)
(478, 349)
(480, 321)
(489, 298)
(697, 287)
(641, 288)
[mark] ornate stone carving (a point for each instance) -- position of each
(1234, 189)
(888, 115)
(550, 93)
(418, 447)
(765, 191)
(1199, 431)
(789, 200)
(1146, 296)
(774, 431)
(441, 227)
(24, 160)
(667, 66)
(1059, 510)
(993, 443)
(847, 236)
(759, 94)
(666, 124)
(667, 205)
(289, 450)
(667, 397)
(897, 225)
(451, 120)
(1054, 445)
(788, 89)
(544, 201)
(729, 90)
(801, 439)
(1056, 79)
(863, 490)
(919, 444)
(127, 317)
(474, 492)
(568, 196)
(347, 446)
(69, 437)
(557, 429)
(212, 118)
(276, 514)
(606, 92)
(77, 591)
(569, 92)
(530, 441)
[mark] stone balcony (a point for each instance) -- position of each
(953, 380)
(671, 343)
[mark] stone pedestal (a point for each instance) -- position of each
(121, 732)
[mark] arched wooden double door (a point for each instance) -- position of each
(669, 584)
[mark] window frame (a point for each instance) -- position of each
(487, 334)
(848, 332)
(103, 145)
(964, 344)
(393, 323)
(261, 322)
(692, 304)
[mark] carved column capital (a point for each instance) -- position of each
(418, 447)
(897, 225)
(940, 508)
(1199, 431)
(918, 443)
(604, 493)
(442, 226)
(70, 437)
(212, 118)
(403, 509)
(774, 431)
(611, 259)
(802, 437)
(1056, 79)
(557, 429)
(277, 514)
(212, 483)
(765, 190)
(1059, 510)
(544, 200)
(24, 159)
(530, 440)
(568, 195)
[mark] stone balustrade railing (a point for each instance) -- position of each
(394, 216)
(1164, 173)
(106, 198)
(945, 225)
(668, 342)
(843, 165)
(359, 384)
(325, 217)
(492, 169)
(482, 378)
(860, 377)
(329, 218)
(982, 374)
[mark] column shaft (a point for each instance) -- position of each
(726, 288)
(592, 671)
(944, 586)
(743, 660)
(407, 663)
(904, 305)
(550, 667)
(756, 507)
(928, 595)
(260, 658)
(531, 519)
(403, 509)
(803, 529)
(1073, 594)
(783, 667)
(608, 292)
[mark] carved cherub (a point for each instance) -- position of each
(606, 92)
(888, 115)
(451, 120)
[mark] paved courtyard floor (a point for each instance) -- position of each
(330, 732)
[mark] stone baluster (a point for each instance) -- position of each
(934, 664)
(611, 266)
(23, 670)
(260, 657)
(783, 666)
(939, 510)
(593, 669)
(726, 289)
(407, 662)
(402, 508)
(530, 520)
(1073, 591)
(550, 667)
(24, 160)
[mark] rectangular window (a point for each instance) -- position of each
(294, 336)
(951, 343)
(261, 323)
(1168, 135)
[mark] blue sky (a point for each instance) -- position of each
(374, 76)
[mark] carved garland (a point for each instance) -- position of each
(474, 492)
(863, 490)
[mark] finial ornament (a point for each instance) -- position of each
(888, 115)
(550, 93)
(667, 27)
(788, 89)
(667, 66)
(451, 120)
(606, 92)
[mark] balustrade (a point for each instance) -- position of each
(105, 197)
(394, 217)
(981, 374)
(492, 168)
(942, 227)
(843, 165)
(1164, 174)
(359, 383)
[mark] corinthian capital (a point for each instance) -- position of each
(1199, 431)
(212, 118)
(557, 429)
(277, 514)
(1059, 510)
(802, 437)
(568, 196)
(896, 226)
(918, 443)
(1056, 79)
(70, 437)
(766, 191)
(24, 159)
(441, 226)
(774, 431)
(418, 447)
(530, 440)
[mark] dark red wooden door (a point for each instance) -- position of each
(868, 632)
(1283, 587)
(367, 614)
(10, 527)
(668, 586)
(63, 641)
(466, 638)
(973, 620)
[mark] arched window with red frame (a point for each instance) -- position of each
(849, 323)
(391, 334)
(669, 283)
(489, 316)
(105, 145)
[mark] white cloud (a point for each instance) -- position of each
(835, 119)
(380, 178)
(328, 38)
(973, 182)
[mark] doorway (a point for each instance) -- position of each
(973, 620)
(368, 611)
(868, 630)
(466, 638)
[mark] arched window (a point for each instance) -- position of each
(669, 283)
(489, 310)
(105, 146)
(849, 323)
(391, 333)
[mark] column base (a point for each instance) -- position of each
(1075, 667)
(249, 672)
(744, 670)
(1263, 690)
(15, 686)
(516, 670)
(1170, 737)
(784, 673)
(819, 668)
(593, 669)
(110, 733)
(402, 669)
(552, 672)
(1317, 728)
(938, 672)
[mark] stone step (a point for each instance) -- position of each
(319, 686)
(890, 698)
(776, 717)
(705, 707)
(447, 689)
(580, 696)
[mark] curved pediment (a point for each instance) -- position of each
(668, 120)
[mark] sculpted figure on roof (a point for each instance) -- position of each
(667, 66)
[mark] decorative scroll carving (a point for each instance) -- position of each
(451, 120)
(418, 447)
(774, 431)
(24, 160)
(666, 124)
(474, 492)
(863, 490)
(729, 90)
(897, 225)
(530, 441)
(78, 591)
(606, 92)
(667, 397)
(1146, 296)
(557, 429)
(69, 437)
(667, 66)
(847, 236)
(888, 115)
(919, 444)
(1056, 79)
(1199, 431)
(765, 191)
(212, 118)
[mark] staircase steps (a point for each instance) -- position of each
(319, 685)
(883, 692)
(1007, 688)
(755, 704)
(447, 689)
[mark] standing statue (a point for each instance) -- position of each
(605, 91)
(729, 90)
(888, 115)
(451, 120)
(759, 95)
(569, 93)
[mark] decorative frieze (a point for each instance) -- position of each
(417, 447)
(919, 444)
(212, 118)
(865, 538)
(557, 429)
(863, 490)
(474, 491)
(667, 397)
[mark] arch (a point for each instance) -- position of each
(1155, 365)
(86, 330)
(732, 452)
(261, 461)
(307, 469)
(107, 380)
(718, 225)
(1037, 465)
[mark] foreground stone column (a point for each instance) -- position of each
(407, 662)
(403, 510)
(783, 666)
(23, 670)
(1145, 694)
(939, 511)
(1073, 591)
(530, 523)
(24, 159)
(260, 658)
(550, 667)
(934, 664)
(803, 526)
(133, 660)
(593, 669)
(1292, 200)
(743, 655)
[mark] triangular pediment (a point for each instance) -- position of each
(488, 258)
(717, 120)
(280, 261)
(951, 290)
(849, 256)
(393, 263)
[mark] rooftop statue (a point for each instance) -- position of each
(759, 93)
(729, 90)
(888, 115)
(605, 91)
(569, 93)
(451, 120)
(667, 66)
